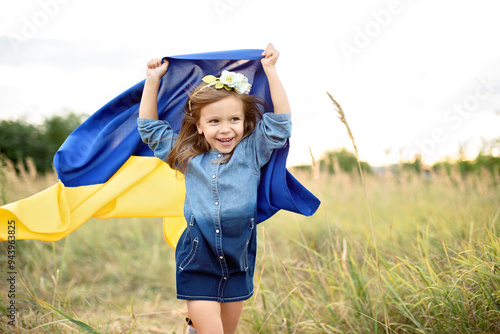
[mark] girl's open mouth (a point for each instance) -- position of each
(226, 141)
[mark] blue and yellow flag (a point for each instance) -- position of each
(106, 171)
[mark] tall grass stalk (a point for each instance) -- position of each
(343, 119)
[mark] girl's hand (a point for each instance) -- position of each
(155, 69)
(270, 56)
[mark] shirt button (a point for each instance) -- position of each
(216, 203)
(225, 277)
(221, 257)
(220, 156)
(217, 231)
(214, 176)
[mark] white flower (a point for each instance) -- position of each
(243, 86)
(230, 79)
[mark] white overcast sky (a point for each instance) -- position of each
(411, 75)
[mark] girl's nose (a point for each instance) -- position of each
(224, 128)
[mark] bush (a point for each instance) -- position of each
(19, 140)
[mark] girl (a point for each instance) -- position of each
(221, 146)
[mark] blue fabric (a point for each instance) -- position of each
(102, 144)
(216, 253)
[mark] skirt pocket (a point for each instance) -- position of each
(188, 238)
(244, 256)
(190, 256)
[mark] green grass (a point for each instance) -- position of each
(438, 270)
(438, 251)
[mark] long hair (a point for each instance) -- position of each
(189, 142)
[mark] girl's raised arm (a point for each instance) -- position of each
(278, 94)
(149, 106)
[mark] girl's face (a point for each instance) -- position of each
(222, 124)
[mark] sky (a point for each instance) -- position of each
(412, 76)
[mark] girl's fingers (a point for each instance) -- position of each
(270, 52)
(270, 48)
(154, 63)
(156, 69)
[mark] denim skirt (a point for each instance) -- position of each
(213, 265)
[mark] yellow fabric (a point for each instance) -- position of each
(142, 187)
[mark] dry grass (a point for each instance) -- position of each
(24, 182)
(435, 270)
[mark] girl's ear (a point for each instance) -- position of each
(200, 131)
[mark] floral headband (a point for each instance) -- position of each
(229, 81)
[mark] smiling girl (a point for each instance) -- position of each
(221, 146)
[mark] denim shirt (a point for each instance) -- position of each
(220, 209)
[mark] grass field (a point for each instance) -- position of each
(434, 266)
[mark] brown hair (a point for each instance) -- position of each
(189, 143)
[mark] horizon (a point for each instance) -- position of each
(411, 77)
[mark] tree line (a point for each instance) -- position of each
(19, 139)
(344, 161)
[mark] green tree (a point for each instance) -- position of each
(19, 140)
(57, 129)
(487, 159)
(344, 160)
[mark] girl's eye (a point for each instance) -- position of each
(235, 119)
(214, 121)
